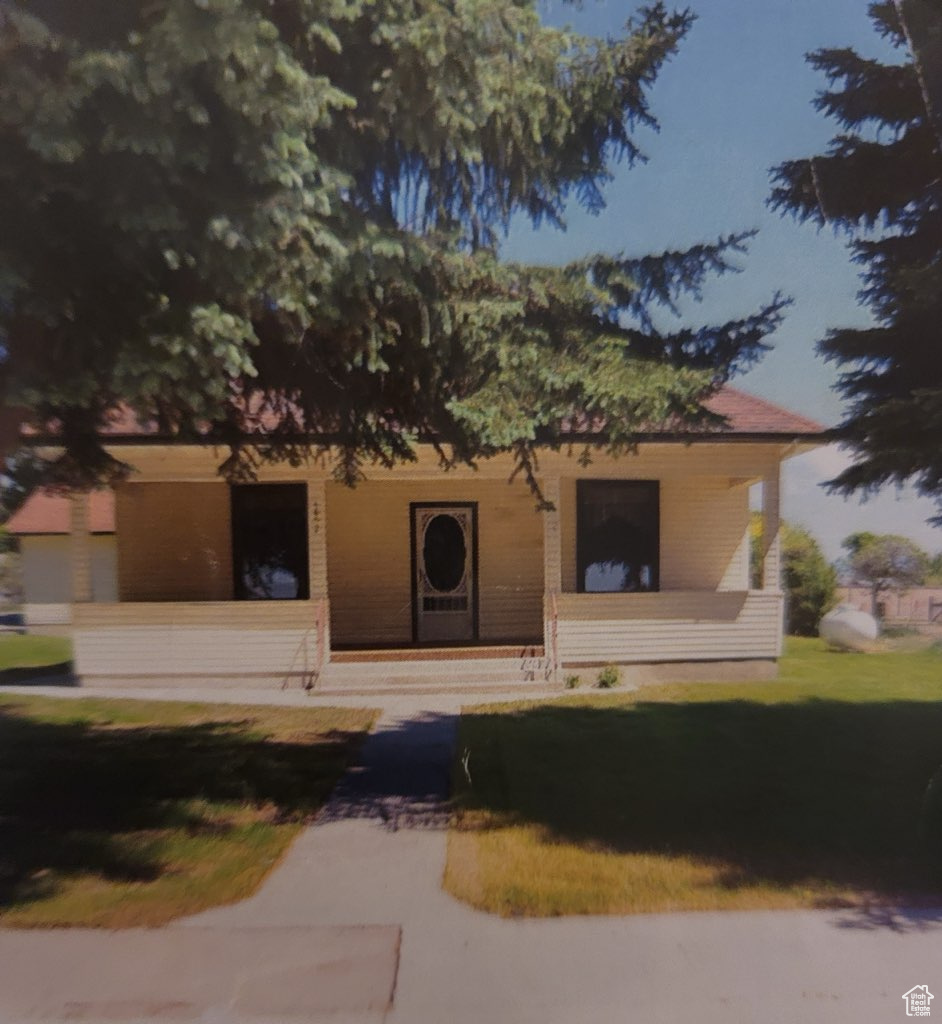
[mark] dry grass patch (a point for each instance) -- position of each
(127, 813)
(804, 792)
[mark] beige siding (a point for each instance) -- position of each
(244, 615)
(269, 638)
(703, 523)
(599, 628)
(369, 559)
(654, 461)
(174, 542)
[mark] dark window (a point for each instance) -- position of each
(444, 553)
(617, 529)
(269, 542)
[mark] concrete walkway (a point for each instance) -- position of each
(354, 926)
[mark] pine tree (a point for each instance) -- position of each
(881, 180)
(282, 218)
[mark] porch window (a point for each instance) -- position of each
(617, 535)
(269, 542)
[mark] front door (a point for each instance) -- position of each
(444, 559)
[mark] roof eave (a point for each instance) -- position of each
(569, 437)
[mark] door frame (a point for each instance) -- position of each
(414, 506)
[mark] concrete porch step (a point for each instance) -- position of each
(416, 687)
(479, 674)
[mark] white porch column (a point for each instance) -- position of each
(771, 530)
(552, 547)
(552, 567)
(80, 548)
(317, 563)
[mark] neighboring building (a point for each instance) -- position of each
(42, 524)
(421, 573)
(915, 606)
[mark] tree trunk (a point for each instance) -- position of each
(922, 23)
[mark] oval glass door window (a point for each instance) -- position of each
(444, 553)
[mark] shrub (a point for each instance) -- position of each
(609, 677)
(809, 581)
(573, 681)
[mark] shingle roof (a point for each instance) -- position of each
(44, 513)
(746, 415)
(750, 415)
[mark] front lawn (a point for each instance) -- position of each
(121, 813)
(27, 650)
(805, 792)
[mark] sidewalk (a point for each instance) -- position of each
(198, 974)
(354, 926)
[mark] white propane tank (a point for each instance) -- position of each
(848, 628)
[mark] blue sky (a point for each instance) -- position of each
(735, 101)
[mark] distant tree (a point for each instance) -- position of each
(7, 541)
(11, 578)
(21, 475)
(854, 542)
(884, 171)
(934, 571)
(18, 478)
(808, 579)
(884, 562)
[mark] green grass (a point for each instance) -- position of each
(24, 650)
(806, 791)
(126, 813)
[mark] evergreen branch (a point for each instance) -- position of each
(887, 94)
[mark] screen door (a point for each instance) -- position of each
(444, 538)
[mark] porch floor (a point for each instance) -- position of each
(398, 654)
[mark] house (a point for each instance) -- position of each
(42, 525)
(418, 573)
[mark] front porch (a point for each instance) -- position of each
(253, 645)
(375, 605)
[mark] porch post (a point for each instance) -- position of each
(552, 569)
(317, 563)
(80, 549)
(771, 530)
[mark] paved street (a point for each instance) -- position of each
(354, 926)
